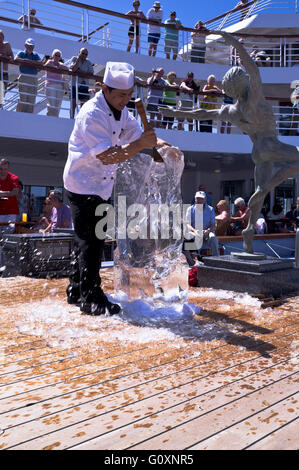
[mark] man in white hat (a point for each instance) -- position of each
(203, 223)
(154, 14)
(105, 134)
(28, 77)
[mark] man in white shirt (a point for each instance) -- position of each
(202, 223)
(155, 14)
(105, 134)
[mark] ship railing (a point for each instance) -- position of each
(255, 7)
(41, 98)
(106, 28)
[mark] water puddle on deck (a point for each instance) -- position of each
(207, 315)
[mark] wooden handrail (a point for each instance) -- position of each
(233, 10)
(98, 78)
(40, 26)
(146, 21)
(182, 28)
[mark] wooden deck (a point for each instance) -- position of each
(226, 379)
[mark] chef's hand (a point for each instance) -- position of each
(148, 139)
(161, 143)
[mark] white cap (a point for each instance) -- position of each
(119, 75)
(30, 42)
(200, 194)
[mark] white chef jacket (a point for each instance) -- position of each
(95, 131)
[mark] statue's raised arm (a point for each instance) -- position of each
(250, 66)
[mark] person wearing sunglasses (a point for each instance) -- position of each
(80, 63)
(55, 83)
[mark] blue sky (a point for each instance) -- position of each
(189, 13)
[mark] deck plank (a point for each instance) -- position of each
(166, 394)
(174, 406)
(283, 438)
(243, 434)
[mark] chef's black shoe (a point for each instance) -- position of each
(73, 300)
(113, 309)
(92, 308)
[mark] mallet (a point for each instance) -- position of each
(140, 108)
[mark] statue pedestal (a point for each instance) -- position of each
(270, 276)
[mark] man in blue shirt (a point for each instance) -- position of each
(27, 78)
(201, 211)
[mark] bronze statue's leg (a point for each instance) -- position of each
(264, 182)
(262, 173)
(281, 175)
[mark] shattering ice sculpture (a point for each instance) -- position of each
(148, 260)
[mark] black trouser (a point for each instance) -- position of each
(85, 278)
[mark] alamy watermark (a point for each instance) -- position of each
(153, 221)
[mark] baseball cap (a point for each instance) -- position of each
(30, 42)
(201, 194)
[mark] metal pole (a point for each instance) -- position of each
(28, 14)
(87, 25)
(82, 25)
(2, 85)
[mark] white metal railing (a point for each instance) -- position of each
(110, 29)
(254, 8)
(38, 98)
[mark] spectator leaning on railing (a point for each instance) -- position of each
(154, 14)
(28, 77)
(188, 87)
(5, 51)
(134, 30)
(209, 101)
(171, 38)
(80, 63)
(156, 83)
(33, 20)
(55, 83)
(198, 43)
(169, 98)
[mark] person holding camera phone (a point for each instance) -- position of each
(80, 63)
(155, 96)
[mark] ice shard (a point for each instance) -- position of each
(148, 260)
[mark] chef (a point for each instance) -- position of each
(104, 134)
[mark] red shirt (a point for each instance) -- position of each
(11, 205)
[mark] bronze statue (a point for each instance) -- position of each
(274, 161)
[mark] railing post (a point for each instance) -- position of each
(23, 13)
(2, 85)
(135, 36)
(82, 25)
(77, 94)
(87, 26)
(28, 14)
